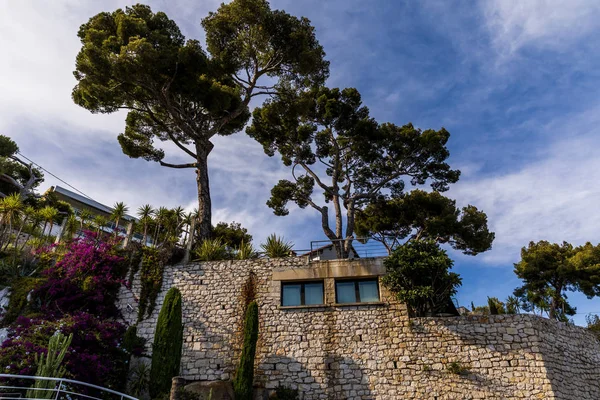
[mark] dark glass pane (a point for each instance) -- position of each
(313, 293)
(345, 292)
(291, 295)
(368, 291)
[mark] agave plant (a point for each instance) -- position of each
(211, 250)
(277, 247)
(246, 251)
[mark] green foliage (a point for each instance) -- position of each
(512, 305)
(139, 379)
(244, 376)
(151, 277)
(549, 270)
(17, 303)
(132, 343)
(232, 235)
(362, 158)
(593, 324)
(418, 273)
(425, 215)
(168, 341)
(245, 251)
(285, 393)
(495, 306)
(457, 368)
(49, 365)
(212, 250)
(277, 247)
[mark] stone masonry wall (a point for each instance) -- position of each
(369, 351)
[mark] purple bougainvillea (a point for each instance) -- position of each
(78, 297)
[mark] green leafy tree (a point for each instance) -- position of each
(175, 91)
(232, 235)
(425, 215)
(11, 208)
(334, 147)
(418, 273)
(550, 269)
(17, 176)
(513, 305)
(49, 215)
(244, 376)
(85, 215)
(168, 342)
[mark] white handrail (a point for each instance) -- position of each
(58, 390)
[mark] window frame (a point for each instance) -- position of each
(356, 282)
(303, 292)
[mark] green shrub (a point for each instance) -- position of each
(244, 377)
(151, 276)
(168, 341)
(277, 247)
(418, 273)
(139, 379)
(211, 250)
(245, 251)
(17, 304)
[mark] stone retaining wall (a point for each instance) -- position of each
(368, 351)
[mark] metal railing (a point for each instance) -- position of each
(20, 387)
(360, 248)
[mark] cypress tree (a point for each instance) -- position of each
(168, 340)
(244, 377)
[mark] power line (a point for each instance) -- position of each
(50, 173)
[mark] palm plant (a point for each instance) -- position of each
(161, 216)
(28, 213)
(84, 216)
(187, 220)
(277, 247)
(71, 226)
(145, 213)
(118, 212)
(49, 215)
(11, 207)
(101, 222)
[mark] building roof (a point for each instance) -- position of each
(326, 247)
(87, 201)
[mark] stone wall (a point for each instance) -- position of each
(369, 351)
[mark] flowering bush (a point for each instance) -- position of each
(95, 355)
(86, 278)
(78, 296)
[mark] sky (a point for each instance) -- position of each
(515, 83)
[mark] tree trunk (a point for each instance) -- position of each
(555, 302)
(203, 224)
(145, 234)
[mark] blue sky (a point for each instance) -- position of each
(514, 82)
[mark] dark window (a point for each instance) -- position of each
(357, 291)
(301, 293)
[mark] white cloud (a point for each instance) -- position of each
(553, 197)
(554, 24)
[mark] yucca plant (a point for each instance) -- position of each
(119, 211)
(277, 247)
(246, 251)
(145, 213)
(211, 250)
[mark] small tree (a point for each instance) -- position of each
(420, 215)
(232, 235)
(168, 341)
(119, 211)
(244, 377)
(16, 176)
(335, 148)
(550, 269)
(418, 273)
